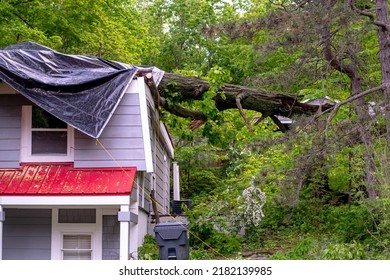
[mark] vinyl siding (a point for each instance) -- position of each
(122, 138)
(161, 161)
(163, 177)
(10, 129)
(27, 234)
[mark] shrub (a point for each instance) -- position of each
(345, 251)
(349, 222)
(149, 249)
(303, 251)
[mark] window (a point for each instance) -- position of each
(76, 247)
(77, 233)
(48, 134)
(77, 216)
(44, 137)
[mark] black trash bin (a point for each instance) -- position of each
(172, 240)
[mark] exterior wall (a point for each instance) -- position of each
(27, 234)
(10, 129)
(122, 138)
(111, 237)
(161, 162)
(159, 179)
(163, 178)
(143, 227)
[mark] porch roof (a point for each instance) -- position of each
(62, 179)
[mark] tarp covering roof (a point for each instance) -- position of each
(82, 91)
(62, 179)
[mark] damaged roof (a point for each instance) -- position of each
(82, 91)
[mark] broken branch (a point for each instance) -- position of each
(239, 106)
(153, 88)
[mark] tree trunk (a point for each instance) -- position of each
(268, 103)
(382, 15)
(351, 70)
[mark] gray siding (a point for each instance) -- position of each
(122, 138)
(111, 237)
(27, 234)
(163, 177)
(10, 129)
(161, 165)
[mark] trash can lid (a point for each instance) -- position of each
(170, 230)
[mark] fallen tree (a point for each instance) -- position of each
(269, 103)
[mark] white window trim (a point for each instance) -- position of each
(59, 229)
(76, 233)
(25, 154)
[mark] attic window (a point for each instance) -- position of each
(45, 138)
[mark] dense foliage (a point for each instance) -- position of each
(319, 191)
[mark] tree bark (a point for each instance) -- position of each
(382, 14)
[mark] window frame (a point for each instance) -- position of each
(59, 229)
(91, 250)
(26, 141)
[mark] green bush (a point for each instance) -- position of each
(345, 251)
(149, 249)
(303, 251)
(348, 223)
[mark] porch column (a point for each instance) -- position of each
(124, 219)
(2, 218)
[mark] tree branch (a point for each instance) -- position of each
(349, 100)
(371, 16)
(154, 205)
(278, 123)
(24, 21)
(266, 102)
(198, 118)
(239, 106)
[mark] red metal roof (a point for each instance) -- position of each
(63, 179)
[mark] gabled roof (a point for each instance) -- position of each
(61, 179)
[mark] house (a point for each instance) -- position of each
(81, 149)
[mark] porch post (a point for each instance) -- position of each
(2, 218)
(124, 232)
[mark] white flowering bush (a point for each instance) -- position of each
(251, 203)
